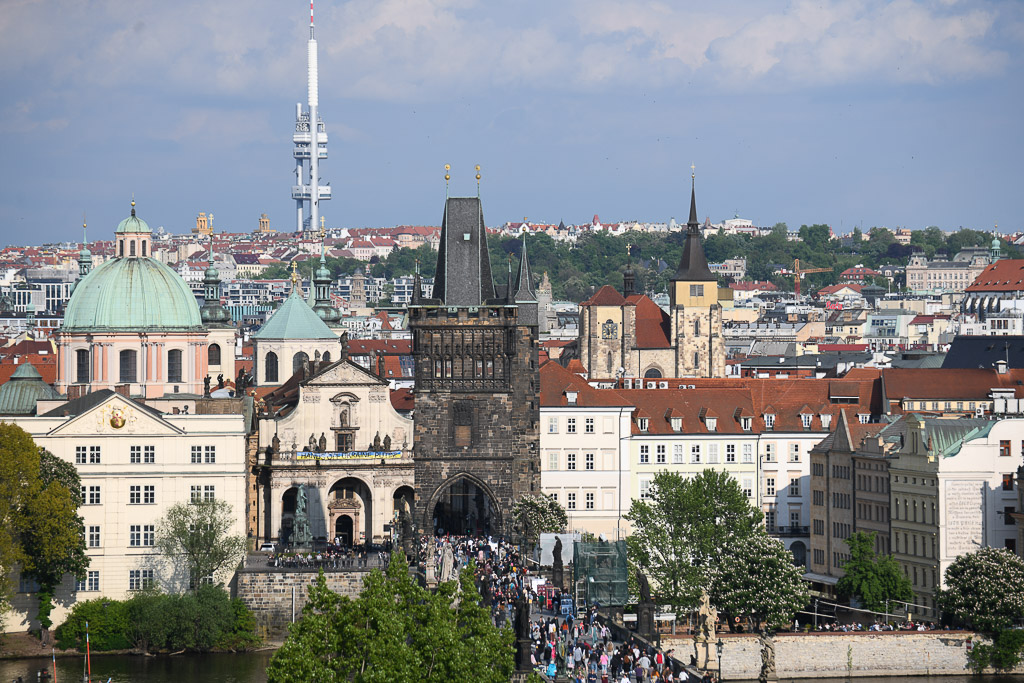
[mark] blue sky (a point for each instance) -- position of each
(847, 112)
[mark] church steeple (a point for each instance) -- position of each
(693, 265)
(211, 312)
(463, 274)
(524, 278)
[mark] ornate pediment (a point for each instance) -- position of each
(345, 504)
(345, 373)
(114, 417)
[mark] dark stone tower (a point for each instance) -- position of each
(477, 383)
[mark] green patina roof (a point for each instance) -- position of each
(295, 320)
(133, 294)
(132, 224)
(26, 386)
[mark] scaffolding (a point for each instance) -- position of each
(599, 574)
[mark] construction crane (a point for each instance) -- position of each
(797, 274)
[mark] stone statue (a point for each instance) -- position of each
(376, 443)
(767, 658)
(431, 568)
(240, 381)
(522, 628)
(447, 564)
(560, 671)
(557, 569)
(206, 387)
(220, 381)
(707, 617)
(275, 443)
(645, 587)
(322, 443)
(556, 554)
(387, 442)
(312, 442)
(301, 534)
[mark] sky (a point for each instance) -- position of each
(846, 112)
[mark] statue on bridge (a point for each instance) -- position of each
(301, 534)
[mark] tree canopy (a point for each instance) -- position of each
(394, 631)
(757, 580)
(984, 590)
(681, 531)
(199, 533)
(533, 515)
(870, 578)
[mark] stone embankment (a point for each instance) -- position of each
(274, 595)
(836, 655)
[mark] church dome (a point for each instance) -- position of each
(132, 224)
(131, 294)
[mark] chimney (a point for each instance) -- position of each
(123, 390)
(1001, 367)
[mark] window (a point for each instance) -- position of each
(213, 354)
(819, 556)
(270, 367)
(94, 495)
(197, 493)
(730, 452)
(645, 454)
(82, 366)
(135, 536)
(819, 527)
(695, 453)
(745, 423)
(677, 454)
(818, 497)
(769, 520)
(696, 327)
(748, 452)
(863, 418)
(94, 537)
(712, 453)
(134, 495)
(806, 418)
(149, 494)
(174, 365)
(571, 501)
(711, 423)
(80, 455)
(149, 454)
(748, 487)
(209, 493)
(570, 461)
(1004, 448)
(589, 461)
(1007, 482)
(588, 425)
(645, 489)
(794, 518)
(826, 420)
(570, 425)
(94, 455)
(127, 360)
(210, 454)
(794, 452)
(91, 582)
(677, 424)
(660, 456)
(643, 423)
(197, 455)
(769, 452)
(552, 425)
(136, 455)
(590, 501)
(769, 420)
(301, 359)
(769, 486)
(140, 579)
(794, 486)
(1008, 515)
(553, 461)
(696, 290)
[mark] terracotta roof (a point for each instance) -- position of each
(832, 289)
(653, 326)
(752, 286)
(949, 383)
(576, 366)
(695, 406)
(402, 400)
(556, 380)
(606, 296)
(362, 347)
(1005, 275)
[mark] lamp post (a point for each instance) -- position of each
(719, 646)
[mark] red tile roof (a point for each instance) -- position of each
(832, 289)
(606, 296)
(949, 383)
(1005, 275)
(363, 347)
(556, 380)
(402, 400)
(653, 326)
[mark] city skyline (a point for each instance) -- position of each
(855, 113)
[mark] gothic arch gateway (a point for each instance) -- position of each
(463, 505)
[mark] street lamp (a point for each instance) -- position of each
(719, 646)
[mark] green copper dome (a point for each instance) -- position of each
(295, 320)
(132, 224)
(131, 294)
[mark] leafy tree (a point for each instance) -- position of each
(682, 530)
(533, 515)
(1004, 653)
(870, 578)
(816, 236)
(19, 481)
(757, 580)
(394, 631)
(199, 533)
(984, 590)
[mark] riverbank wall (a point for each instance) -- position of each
(275, 596)
(839, 655)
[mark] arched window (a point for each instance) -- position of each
(270, 368)
(174, 365)
(128, 366)
(326, 357)
(298, 360)
(610, 362)
(120, 248)
(131, 248)
(696, 360)
(82, 363)
(143, 247)
(653, 373)
(696, 327)
(213, 354)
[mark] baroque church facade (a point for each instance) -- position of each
(628, 335)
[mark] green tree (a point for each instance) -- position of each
(682, 529)
(199, 533)
(533, 515)
(394, 631)
(757, 580)
(816, 236)
(19, 481)
(984, 590)
(870, 578)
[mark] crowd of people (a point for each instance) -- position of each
(835, 626)
(332, 556)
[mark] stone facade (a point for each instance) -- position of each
(274, 595)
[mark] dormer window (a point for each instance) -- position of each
(863, 418)
(677, 424)
(570, 396)
(711, 423)
(643, 423)
(769, 420)
(826, 420)
(806, 418)
(745, 423)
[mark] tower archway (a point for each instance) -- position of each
(351, 497)
(464, 504)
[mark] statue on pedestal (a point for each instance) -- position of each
(431, 566)
(557, 570)
(645, 609)
(522, 627)
(767, 659)
(447, 564)
(301, 534)
(707, 616)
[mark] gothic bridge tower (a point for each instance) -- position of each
(476, 444)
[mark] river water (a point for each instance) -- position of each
(251, 668)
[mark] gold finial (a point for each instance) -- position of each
(447, 176)
(693, 169)
(295, 276)
(133, 199)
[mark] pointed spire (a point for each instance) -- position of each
(510, 296)
(692, 223)
(842, 441)
(524, 279)
(628, 277)
(133, 203)
(693, 264)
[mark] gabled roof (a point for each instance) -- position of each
(653, 325)
(463, 273)
(91, 400)
(1005, 275)
(606, 296)
(949, 383)
(555, 381)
